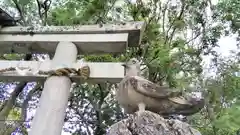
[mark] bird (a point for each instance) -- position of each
(137, 94)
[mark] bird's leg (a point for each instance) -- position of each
(141, 108)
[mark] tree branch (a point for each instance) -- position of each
(20, 12)
(178, 18)
(2, 105)
(9, 103)
(25, 103)
(103, 94)
(39, 9)
(19, 123)
(164, 13)
(46, 6)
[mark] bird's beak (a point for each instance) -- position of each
(124, 64)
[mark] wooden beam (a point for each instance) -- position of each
(47, 43)
(134, 29)
(100, 71)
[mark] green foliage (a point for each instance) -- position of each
(104, 58)
(223, 99)
(179, 24)
(229, 11)
(229, 120)
(13, 56)
(14, 114)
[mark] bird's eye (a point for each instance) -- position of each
(134, 62)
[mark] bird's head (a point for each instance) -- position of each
(132, 66)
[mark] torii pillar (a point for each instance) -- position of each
(49, 118)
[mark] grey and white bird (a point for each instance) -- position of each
(137, 94)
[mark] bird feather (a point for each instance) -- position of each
(149, 88)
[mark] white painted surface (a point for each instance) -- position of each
(121, 37)
(49, 117)
(133, 29)
(99, 71)
(47, 43)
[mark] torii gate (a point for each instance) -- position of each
(66, 42)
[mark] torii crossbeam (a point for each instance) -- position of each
(65, 42)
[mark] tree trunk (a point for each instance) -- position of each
(8, 104)
(149, 123)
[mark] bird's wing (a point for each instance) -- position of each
(187, 106)
(180, 100)
(150, 89)
(187, 99)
